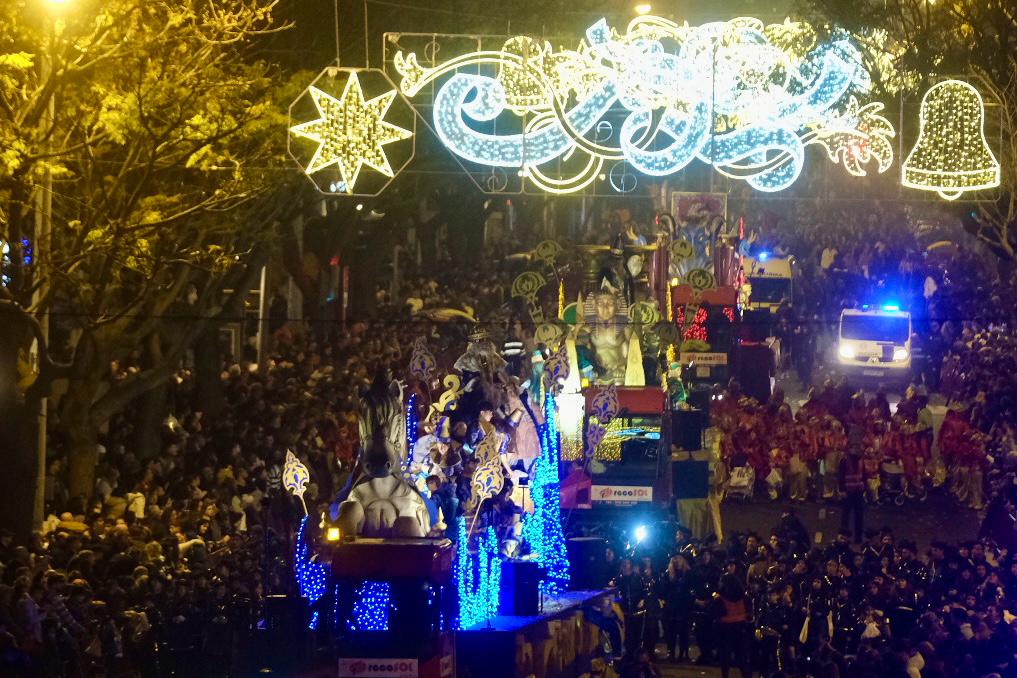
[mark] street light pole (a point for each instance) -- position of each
(40, 253)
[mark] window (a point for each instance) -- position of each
(770, 290)
(894, 329)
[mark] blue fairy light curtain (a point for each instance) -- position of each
(542, 530)
(478, 577)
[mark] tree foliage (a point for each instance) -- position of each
(157, 127)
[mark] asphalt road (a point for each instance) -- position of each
(939, 517)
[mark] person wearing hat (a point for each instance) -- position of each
(439, 451)
(420, 454)
(773, 624)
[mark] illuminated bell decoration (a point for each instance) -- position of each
(951, 155)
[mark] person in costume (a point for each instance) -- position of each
(834, 444)
(482, 368)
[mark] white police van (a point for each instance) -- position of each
(875, 343)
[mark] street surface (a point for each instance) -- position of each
(939, 517)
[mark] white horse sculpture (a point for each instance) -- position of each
(382, 503)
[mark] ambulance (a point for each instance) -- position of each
(875, 343)
(769, 279)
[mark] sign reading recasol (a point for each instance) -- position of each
(377, 668)
(704, 358)
(621, 493)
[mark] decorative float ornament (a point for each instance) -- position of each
(951, 155)
(449, 399)
(548, 252)
(347, 130)
(312, 576)
(422, 362)
(547, 334)
(699, 279)
(527, 285)
(557, 368)
(644, 313)
(605, 404)
(744, 97)
(488, 481)
(295, 477)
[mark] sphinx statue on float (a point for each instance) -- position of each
(603, 322)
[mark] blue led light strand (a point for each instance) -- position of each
(311, 576)
(370, 612)
(478, 577)
(412, 424)
(542, 530)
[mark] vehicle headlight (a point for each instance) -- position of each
(846, 352)
(900, 354)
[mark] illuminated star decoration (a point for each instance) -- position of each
(350, 132)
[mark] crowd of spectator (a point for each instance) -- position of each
(777, 605)
(963, 314)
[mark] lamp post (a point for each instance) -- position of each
(41, 245)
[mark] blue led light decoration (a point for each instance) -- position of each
(742, 96)
(478, 577)
(412, 424)
(311, 576)
(370, 612)
(412, 430)
(542, 530)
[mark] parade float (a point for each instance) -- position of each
(399, 584)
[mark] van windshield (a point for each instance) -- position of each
(894, 329)
(770, 290)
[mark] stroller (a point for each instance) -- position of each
(891, 483)
(742, 483)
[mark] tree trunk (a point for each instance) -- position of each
(152, 411)
(18, 460)
(18, 417)
(83, 441)
(209, 396)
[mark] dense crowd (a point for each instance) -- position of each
(963, 353)
(776, 605)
